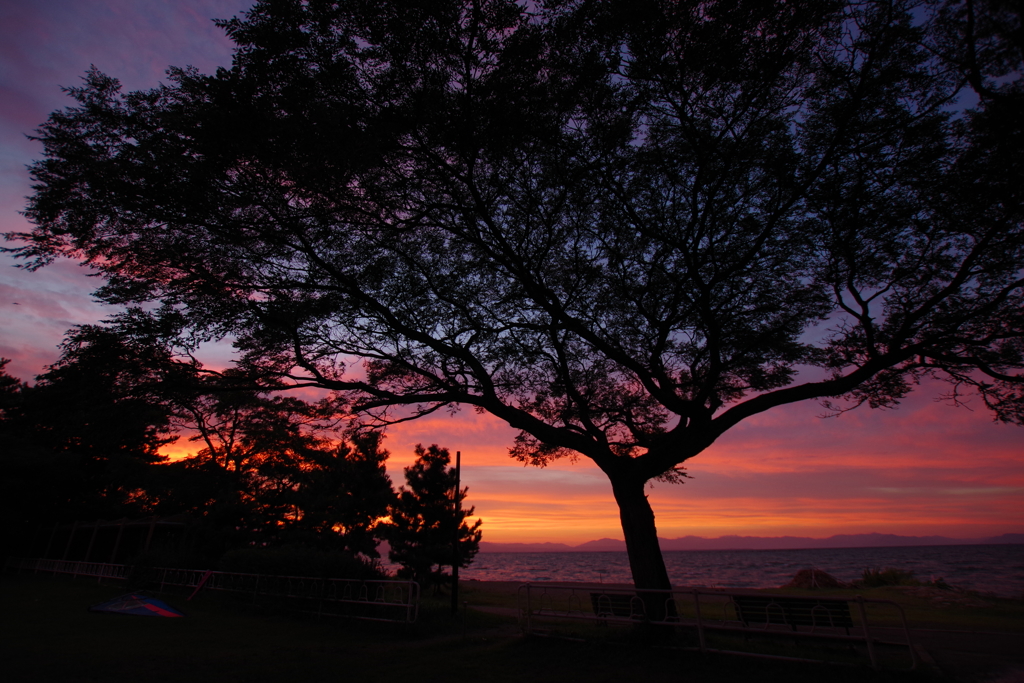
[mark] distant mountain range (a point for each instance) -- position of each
(753, 543)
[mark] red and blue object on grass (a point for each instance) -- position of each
(137, 604)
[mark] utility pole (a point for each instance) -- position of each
(455, 538)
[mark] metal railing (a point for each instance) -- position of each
(99, 570)
(371, 599)
(707, 611)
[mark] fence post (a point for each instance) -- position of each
(49, 541)
(117, 541)
(92, 540)
(529, 611)
(867, 632)
(409, 605)
(71, 537)
(455, 538)
(700, 623)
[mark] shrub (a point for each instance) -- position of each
(890, 576)
(814, 578)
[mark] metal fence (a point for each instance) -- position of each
(100, 570)
(375, 600)
(703, 612)
(372, 599)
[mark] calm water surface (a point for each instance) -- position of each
(997, 569)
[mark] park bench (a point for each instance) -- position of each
(750, 614)
(794, 612)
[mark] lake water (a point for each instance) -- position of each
(996, 569)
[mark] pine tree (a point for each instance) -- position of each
(424, 520)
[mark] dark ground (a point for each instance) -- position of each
(47, 634)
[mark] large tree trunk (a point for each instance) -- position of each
(645, 559)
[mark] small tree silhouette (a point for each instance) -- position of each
(424, 520)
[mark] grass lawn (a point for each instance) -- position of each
(47, 634)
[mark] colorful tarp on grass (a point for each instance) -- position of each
(137, 604)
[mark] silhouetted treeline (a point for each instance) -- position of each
(269, 470)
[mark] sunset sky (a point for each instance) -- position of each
(925, 468)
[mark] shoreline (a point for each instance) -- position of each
(982, 568)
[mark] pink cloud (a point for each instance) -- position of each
(38, 308)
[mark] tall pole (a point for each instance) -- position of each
(455, 538)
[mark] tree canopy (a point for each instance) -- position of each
(622, 228)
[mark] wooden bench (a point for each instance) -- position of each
(792, 611)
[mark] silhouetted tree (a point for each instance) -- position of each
(342, 494)
(96, 400)
(424, 521)
(33, 479)
(276, 469)
(80, 439)
(621, 227)
(273, 469)
(305, 490)
(9, 386)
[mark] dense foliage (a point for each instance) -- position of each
(79, 442)
(621, 227)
